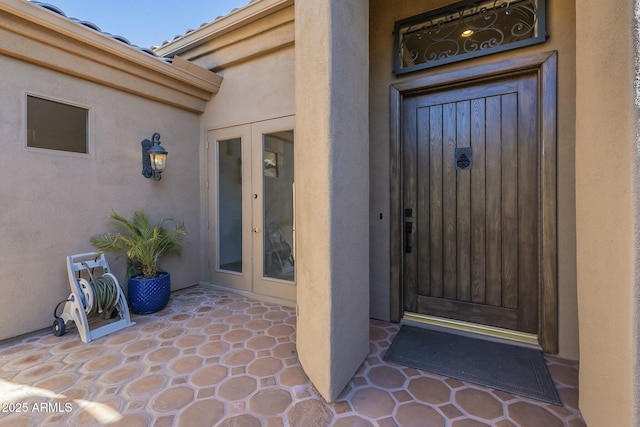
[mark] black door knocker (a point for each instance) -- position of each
(463, 158)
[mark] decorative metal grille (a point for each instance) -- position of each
(465, 30)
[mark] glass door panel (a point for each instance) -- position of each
(272, 156)
(277, 184)
(229, 209)
(229, 205)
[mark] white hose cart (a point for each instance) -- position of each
(90, 297)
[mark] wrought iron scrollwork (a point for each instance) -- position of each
(467, 29)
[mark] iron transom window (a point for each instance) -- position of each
(467, 29)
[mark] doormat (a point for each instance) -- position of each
(514, 369)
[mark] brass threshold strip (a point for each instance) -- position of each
(475, 328)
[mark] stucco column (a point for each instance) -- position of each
(332, 189)
(607, 211)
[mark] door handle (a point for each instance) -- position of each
(256, 230)
(408, 229)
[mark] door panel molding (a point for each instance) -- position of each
(544, 67)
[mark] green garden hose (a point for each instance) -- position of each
(105, 291)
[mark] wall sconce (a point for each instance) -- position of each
(154, 157)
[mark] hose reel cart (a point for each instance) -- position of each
(91, 296)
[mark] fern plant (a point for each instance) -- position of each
(143, 243)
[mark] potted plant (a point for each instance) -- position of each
(144, 243)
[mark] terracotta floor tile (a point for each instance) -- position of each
(215, 348)
(237, 335)
(569, 397)
(386, 377)
(241, 420)
(139, 347)
(388, 422)
(352, 421)
(237, 388)
(102, 363)
(218, 328)
(190, 341)
(450, 411)
(173, 399)
(373, 402)
(265, 366)
(429, 390)
(238, 357)
(402, 396)
(219, 358)
(418, 415)
(186, 364)
(56, 382)
(341, 407)
(145, 385)
(202, 413)
(37, 372)
(283, 351)
(479, 403)
(270, 401)
(163, 355)
(470, 423)
(122, 374)
(531, 415)
(577, 423)
(209, 375)
(310, 412)
(293, 376)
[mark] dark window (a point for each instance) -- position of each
(56, 126)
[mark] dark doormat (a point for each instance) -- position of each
(514, 369)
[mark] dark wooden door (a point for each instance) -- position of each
(471, 248)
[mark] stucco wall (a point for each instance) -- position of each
(332, 190)
(52, 202)
(259, 89)
(607, 212)
(560, 27)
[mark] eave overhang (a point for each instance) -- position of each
(242, 17)
(39, 36)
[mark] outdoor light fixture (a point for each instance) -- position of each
(154, 157)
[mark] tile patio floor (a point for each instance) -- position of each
(218, 358)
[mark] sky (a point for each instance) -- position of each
(146, 23)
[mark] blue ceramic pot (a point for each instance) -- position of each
(149, 295)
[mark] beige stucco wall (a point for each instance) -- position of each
(259, 89)
(332, 190)
(560, 27)
(52, 202)
(607, 212)
(254, 52)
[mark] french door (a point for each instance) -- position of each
(251, 227)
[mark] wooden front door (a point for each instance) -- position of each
(470, 190)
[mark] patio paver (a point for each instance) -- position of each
(219, 358)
